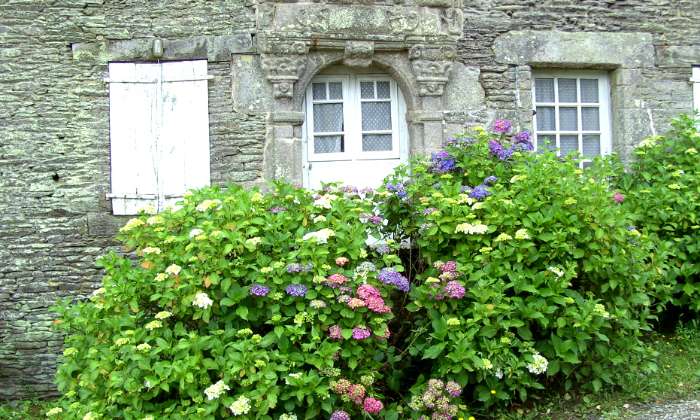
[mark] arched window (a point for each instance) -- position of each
(355, 129)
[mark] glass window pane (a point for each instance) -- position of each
(319, 91)
(587, 164)
(376, 142)
(546, 143)
(568, 144)
(367, 90)
(544, 90)
(376, 116)
(568, 119)
(567, 90)
(591, 145)
(589, 90)
(328, 118)
(545, 118)
(328, 144)
(590, 119)
(335, 90)
(383, 90)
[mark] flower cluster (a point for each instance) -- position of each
(538, 365)
(520, 142)
(394, 278)
(399, 189)
(446, 286)
(259, 290)
(298, 268)
(202, 300)
(320, 236)
(355, 393)
(240, 406)
(442, 162)
(372, 299)
(336, 280)
(214, 391)
(298, 290)
(436, 398)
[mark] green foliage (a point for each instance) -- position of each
(550, 267)
(662, 189)
(168, 326)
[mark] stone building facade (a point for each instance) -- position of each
(455, 62)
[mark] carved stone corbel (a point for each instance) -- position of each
(431, 67)
(358, 53)
(283, 63)
(452, 20)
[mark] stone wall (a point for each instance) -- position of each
(54, 117)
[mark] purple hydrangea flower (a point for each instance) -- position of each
(382, 248)
(275, 210)
(399, 189)
(490, 180)
(479, 192)
(340, 415)
(376, 219)
(454, 290)
(429, 210)
(394, 278)
(296, 290)
(442, 162)
(360, 333)
(522, 137)
(259, 290)
(453, 389)
(501, 126)
(523, 147)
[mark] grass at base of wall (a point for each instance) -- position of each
(678, 378)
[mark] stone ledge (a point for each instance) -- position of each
(211, 48)
(601, 49)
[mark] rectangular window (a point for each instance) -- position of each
(159, 132)
(572, 113)
(695, 79)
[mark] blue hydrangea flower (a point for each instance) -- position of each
(394, 278)
(479, 192)
(296, 290)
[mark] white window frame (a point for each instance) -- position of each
(695, 79)
(352, 119)
(159, 129)
(603, 104)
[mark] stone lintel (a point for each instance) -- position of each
(289, 117)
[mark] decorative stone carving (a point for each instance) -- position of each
(402, 22)
(283, 63)
(358, 53)
(432, 67)
(452, 20)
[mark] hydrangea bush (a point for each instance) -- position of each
(662, 189)
(524, 271)
(237, 304)
(531, 270)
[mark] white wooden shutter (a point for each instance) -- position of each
(159, 128)
(184, 138)
(133, 104)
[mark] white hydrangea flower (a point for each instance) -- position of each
(89, 416)
(320, 218)
(98, 292)
(54, 411)
(151, 250)
(161, 277)
(214, 391)
(556, 270)
(471, 229)
(209, 204)
(163, 315)
(487, 364)
(253, 241)
(538, 365)
(320, 236)
(143, 347)
(121, 341)
(195, 232)
(153, 325)
(131, 224)
(240, 406)
(173, 269)
(288, 417)
(154, 220)
(498, 373)
(325, 201)
(599, 310)
(202, 300)
(522, 234)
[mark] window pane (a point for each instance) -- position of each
(591, 145)
(328, 117)
(590, 119)
(328, 144)
(587, 164)
(589, 90)
(546, 143)
(544, 90)
(335, 90)
(567, 90)
(567, 119)
(376, 142)
(545, 118)
(367, 90)
(568, 144)
(376, 116)
(383, 90)
(319, 91)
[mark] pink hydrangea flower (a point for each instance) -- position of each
(334, 332)
(355, 303)
(372, 405)
(618, 197)
(341, 261)
(365, 291)
(341, 386)
(361, 333)
(337, 279)
(376, 304)
(454, 290)
(356, 393)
